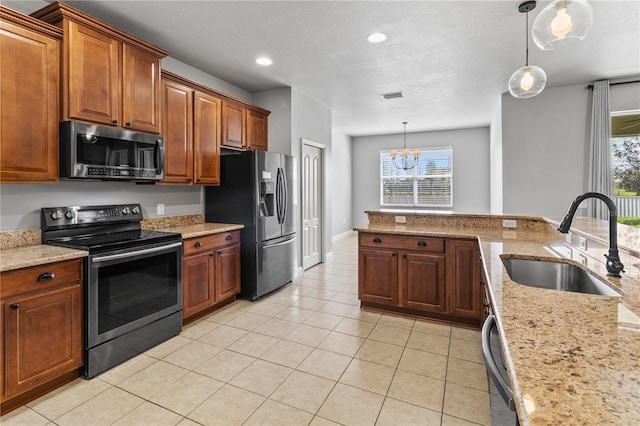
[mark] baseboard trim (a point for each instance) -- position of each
(338, 237)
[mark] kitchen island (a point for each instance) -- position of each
(572, 358)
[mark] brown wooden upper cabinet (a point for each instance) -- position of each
(30, 92)
(109, 77)
(244, 127)
(233, 126)
(191, 130)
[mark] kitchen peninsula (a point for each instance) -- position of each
(572, 358)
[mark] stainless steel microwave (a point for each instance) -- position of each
(89, 151)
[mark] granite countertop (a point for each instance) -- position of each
(26, 256)
(189, 226)
(22, 249)
(200, 229)
(572, 358)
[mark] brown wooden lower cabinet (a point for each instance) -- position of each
(426, 276)
(210, 273)
(41, 322)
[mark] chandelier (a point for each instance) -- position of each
(406, 163)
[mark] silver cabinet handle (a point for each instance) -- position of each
(501, 384)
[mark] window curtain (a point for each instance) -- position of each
(600, 174)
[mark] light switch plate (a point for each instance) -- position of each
(509, 223)
(160, 209)
(401, 219)
(568, 238)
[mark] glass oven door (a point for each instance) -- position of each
(128, 289)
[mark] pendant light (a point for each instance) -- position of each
(529, 80)
(562, 24)
(405, 162)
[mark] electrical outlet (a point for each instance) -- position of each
(568, 238)
(582, 243)
(160, 209)
(582, 259)
(509, 223)
(401, 219)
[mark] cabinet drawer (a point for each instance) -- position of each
(403, 242)
(40, 277)
(207, 243)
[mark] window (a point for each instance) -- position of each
(625, 162)
(429, 184)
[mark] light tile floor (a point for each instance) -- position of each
(305, 355)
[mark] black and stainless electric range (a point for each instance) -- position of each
(132, 280)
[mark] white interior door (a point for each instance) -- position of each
(311, 205)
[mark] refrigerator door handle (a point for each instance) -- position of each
(279, 244)
(284, 195)
(279, 195)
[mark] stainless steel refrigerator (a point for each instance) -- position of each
(257, 190)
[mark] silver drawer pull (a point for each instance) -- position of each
(229, 238)
(46, 276)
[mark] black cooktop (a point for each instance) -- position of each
(99, 228)
(116, 241)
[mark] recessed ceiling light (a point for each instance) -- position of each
(264, 61)
(377, 38)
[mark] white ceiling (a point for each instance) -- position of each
(452, 59)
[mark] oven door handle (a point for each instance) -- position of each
(107, 258)
(501, 384)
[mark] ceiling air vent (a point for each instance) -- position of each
(392, 95)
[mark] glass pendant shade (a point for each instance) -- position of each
(562, 24)
(527, 82)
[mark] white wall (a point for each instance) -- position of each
(625, 97)
(20, 204)
(495, 160)
(194, 74)
(470, 168)
(544, 142)
(278, 101)
(341, 183)
(312, 121)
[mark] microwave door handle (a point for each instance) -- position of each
(159, 158)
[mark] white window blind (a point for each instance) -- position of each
(429, 184)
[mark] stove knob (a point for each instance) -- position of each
(69, 214)
(56, 215)
(135, 210)
(126, 211)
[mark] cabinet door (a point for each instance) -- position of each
(227, 272)
(378, 276)
(43, 337)
(93, 81)
(233, 125)
(257, 130)
(177, 129)
(463, 278)
(140, 90)
(197, 284)
(206, 139)
(422, 277)
(29, 114)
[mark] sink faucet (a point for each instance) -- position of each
(614, 265)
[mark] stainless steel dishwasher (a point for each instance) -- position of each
(503, 407)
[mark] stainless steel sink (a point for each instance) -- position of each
(555, 276)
